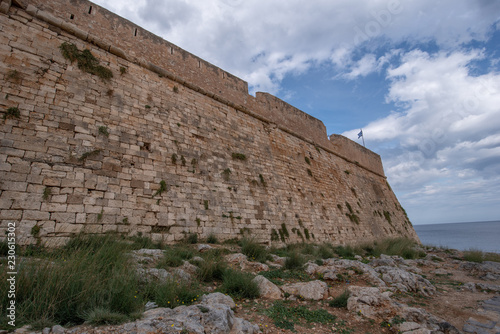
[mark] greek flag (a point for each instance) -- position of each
(360, 134)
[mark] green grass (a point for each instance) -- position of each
(277, 276)
(475, 255)
(239, 284)
(175, 257)
(393, 246)
(212, 268)
(254, 251)
(89, 273)
(173, 293)
(340, 301)
(191, 238)
(286, 317)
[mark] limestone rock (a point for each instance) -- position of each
(311, 268)
(487, 270)
(343, 265)
(267, 289)
(370, 301)
(278, 259)
(203, 248)
(146, 255)
(315, 290)
(58, 329)
(244, 264)
(150, 274)
(235, 258)
(217, 298)
(182, 275)
(406, 281)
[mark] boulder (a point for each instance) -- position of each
(406, 281)
(315, 290)
(267, 289)
(203, 248)
(153, 274)
(370, 302)
(218, 298)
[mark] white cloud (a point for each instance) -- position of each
(445, 138)
(248, 37)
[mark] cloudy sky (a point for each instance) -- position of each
(420, 77)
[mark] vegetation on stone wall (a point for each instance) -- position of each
(238, 156)
(12, 112)
(85, 61)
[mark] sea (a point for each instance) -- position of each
(484, 236)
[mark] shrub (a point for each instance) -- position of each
(325, 251)
(239, 284)
(254, 250)
(344, 251)
(212, 239)
(340, 301)
(294, 261)
(192, 238)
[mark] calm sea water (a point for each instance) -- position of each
(484, 236)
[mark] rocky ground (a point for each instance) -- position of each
(440, 293)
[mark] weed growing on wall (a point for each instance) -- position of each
(46, 193)
(226, 173)
(351, 215)
(87, 155)
(308, 161)
(85, 60)
(14, 76)
(262, 181)
(162, 189)
(239, 156)
(103, 130)
(12, 112)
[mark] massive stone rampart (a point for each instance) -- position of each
(170, 145)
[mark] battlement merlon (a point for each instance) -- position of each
(96, 25)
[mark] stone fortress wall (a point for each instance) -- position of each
(171, 145)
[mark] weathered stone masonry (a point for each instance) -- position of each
(170, 145)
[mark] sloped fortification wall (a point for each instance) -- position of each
(170, 145)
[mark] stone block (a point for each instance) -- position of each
(63, 217)
(67, 228)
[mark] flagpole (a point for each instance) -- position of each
(363, 136)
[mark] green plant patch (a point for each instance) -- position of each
(340, 301)
(12, 112)
(239, 156)
(286, 317)
(239, 284)
(85, 61)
